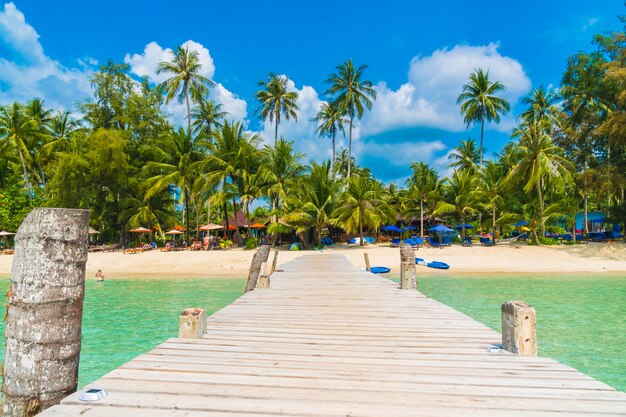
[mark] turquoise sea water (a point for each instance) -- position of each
(581, 320)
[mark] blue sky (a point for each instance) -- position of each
(419, 55)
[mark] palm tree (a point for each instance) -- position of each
(60, 126)
(465, 156)
(541, 162)
(173, 165)
(541, 106)
(207, 114)
(313, 203)
(492, 186)
(479, 102)
(330, 122)
(423, 182)
(186, 79)
(460, 196)
(275, 100)
(352, 95)
(16, 129)
(362, 204)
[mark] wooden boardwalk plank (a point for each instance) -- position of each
(330, 340)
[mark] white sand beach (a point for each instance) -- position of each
(510, 259)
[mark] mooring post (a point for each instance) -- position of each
(274, 261)
(264, 277)
(367, 262)
(260, 256)
(192, 323)
(408, 274)
(519, 328)
(44, 312)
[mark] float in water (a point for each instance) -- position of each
(432, 264)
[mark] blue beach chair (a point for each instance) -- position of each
(485, 241)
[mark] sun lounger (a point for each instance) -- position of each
(433, 243)
(467, 242)
(522, 237)
(395, 242)
(447, 241)
(596, 236)
(196, 245)
(485, 241)
(131, 251)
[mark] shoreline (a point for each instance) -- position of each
(477, 261)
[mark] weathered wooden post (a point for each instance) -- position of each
(274, 261)
(260, 256)
(44, 312)
(408, 274)
(264, 277)
(519, 328)
(367, 262)
(192, 323)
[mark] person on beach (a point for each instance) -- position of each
(99, 275)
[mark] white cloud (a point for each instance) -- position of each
(145, 65)
(429, 96)
(29, 72)
(400, 153)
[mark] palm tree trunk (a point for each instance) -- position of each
(186, 215)
(541, 219)
(332, 162)
(28, 189)
(463, 226)
(361, 227)
(188, 113)
(482, 133)
(494, 224)
(585, 220)
(421, 217)
(350, 148)
(197, 209)
(277, 120)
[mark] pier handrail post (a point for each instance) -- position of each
(264, 277)
(260, 256)
(44, 312)
(367, 262)
(192, 323)
(274, 261)
(408, 274)
(519, 328)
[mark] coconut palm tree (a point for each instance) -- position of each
(173, 164)
(207, 115)
(460, 196)
(352, 95)
(479, 102)
(422, 183)
(493, 189)
(186, 80)
(542, 105)
(541, 162)
(313, 203)
(465, 156)
(330, 121)
(60, 126)
(275, 101)
(16, 128)
(362, 204)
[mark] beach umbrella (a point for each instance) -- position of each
(460, 226)
(520, 223)
(173, 232)
(140, 230)
(257, 226)
(391, 228)
(440, 228)
(409, 228)
(211, 226)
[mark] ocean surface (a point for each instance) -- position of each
(581, 319)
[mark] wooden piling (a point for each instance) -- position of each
(367, 262)
(192, 323)
(260, 256)
(44, 312)
(274, 261)
(519, 328)
(408, 274)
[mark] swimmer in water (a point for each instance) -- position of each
(99, 275)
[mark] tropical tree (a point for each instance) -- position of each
(60, 126)
(275, 100)
(479, 102)
(541, 162)
(362, 204)
(313, 203)
(461, 197)
(422, 185)
(207, 115)
(172, 164)
(186, 79)
(352, 95)
(542, 106)
(330, 121)
(465, 156)
(16, 128)
(493, 190)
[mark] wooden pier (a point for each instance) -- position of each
(328, 339)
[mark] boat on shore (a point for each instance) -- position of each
(432, 264)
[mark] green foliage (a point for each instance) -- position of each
(251, 243)
(15, 206)
(548, 241)
(226, 243)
